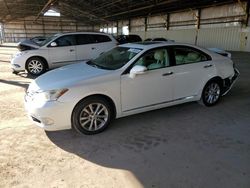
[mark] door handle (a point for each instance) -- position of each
(207, 66)
(167, 74)
(93, 48)
(71, 50)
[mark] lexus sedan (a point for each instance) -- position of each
(129, 79)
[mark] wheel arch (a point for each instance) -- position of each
(103, 96)
(214, 78)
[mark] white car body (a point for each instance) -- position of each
(130, 94)
(56, 56)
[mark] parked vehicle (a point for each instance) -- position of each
(59, 50)
(159, 39)
(29, 44)
(129, 79)
(38, 39)
(122, 39)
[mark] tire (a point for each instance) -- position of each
(211, 93)
(91, 115)
(35, 66)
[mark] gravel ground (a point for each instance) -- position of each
(183, 146)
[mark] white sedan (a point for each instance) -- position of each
(129, 79)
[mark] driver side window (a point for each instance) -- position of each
(154, 59)
(68, 40)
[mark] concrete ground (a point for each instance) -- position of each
(185, 146)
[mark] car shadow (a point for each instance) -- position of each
(16, 83)
(26, 75)
(157, 145)
(137, 143)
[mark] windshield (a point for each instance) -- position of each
(48, 39)
(115, 58)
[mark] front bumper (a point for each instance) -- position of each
(229, 82)
(16, 66)
(50, 116)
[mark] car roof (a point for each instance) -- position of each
(150, 44)
(83, 32)
(147, 45)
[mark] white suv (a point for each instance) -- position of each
(59, 50)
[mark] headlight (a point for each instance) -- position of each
(50, 95)
(20, 54)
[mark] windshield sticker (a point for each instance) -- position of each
(134, 50)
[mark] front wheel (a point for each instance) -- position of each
(35, 66)
(211, 93)
(91, 116)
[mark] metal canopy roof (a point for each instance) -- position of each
(98, 11)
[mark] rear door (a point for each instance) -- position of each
(102, 44)
(85, 46)
(192, 68)
(90, 46)
(64, 52)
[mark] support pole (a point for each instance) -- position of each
(167, 21)
(129, 25)
(197, 25)
(117, 26)
(247, 13)
(146, 27)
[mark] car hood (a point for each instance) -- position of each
(66, 76)
(27, 45)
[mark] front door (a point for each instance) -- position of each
(152, 88)
(64, 52)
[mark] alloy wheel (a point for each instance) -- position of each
(93, 116)
(212, 93)
(35, 67)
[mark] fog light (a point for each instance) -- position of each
(47, 121)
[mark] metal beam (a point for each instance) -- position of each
(86, 13)
(45, 8)
(141, 8)
(7, 6)
(106, 5)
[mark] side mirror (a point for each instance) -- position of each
(53, 44)
(137, 69)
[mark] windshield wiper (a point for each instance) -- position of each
(91, 63)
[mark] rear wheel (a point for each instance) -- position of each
(211, 93)
(35, 66)
(91, 116)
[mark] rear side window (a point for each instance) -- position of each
(186, 55)
(91, 39)
(85, 39)
(101, 38)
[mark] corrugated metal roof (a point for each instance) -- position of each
(98, 11)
